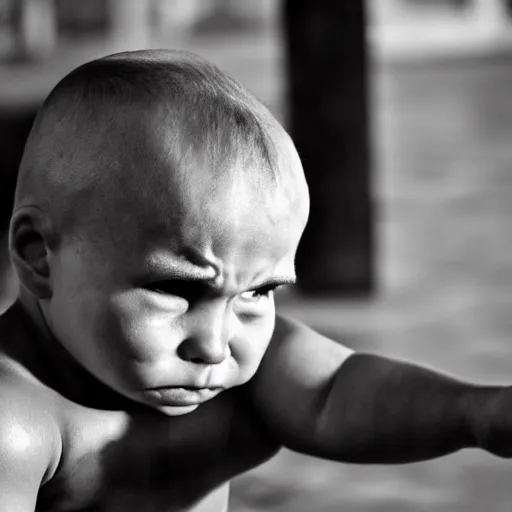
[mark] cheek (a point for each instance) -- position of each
(143, 331)
(77, 298)
(248, 350)
(74, 309)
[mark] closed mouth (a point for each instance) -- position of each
(181, 395)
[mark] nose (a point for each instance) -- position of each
(208, 334)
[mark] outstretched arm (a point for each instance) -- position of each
(322, 399)
(386, 411)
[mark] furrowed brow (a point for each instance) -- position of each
(182, 270)
(274, 282)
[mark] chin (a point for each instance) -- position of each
(173, 410)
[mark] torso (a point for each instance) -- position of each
(115, 461)
(143, 460)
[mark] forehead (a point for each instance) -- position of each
(173, 199)
(239, 228)
(234, 229)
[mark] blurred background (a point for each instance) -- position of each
(401, 112)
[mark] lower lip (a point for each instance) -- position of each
(181, 396)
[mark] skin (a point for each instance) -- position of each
(143, 365)
(8, 283)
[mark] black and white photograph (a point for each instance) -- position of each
(255, 255)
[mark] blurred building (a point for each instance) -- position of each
(46, 31)
(33, 27)
(78, 17)
(419, 28)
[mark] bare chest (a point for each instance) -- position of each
(148, 462)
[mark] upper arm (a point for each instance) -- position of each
(26, 449)
(293, 381)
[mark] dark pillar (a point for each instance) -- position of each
(328, 121)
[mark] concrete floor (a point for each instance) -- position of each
(443, 184)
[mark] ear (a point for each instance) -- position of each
(29, 241)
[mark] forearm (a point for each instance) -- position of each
(378, 410)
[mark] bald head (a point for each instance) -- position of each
(123, 131)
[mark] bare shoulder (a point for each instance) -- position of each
(299, 353)
(28, 426)
(29, 442)
(293, 379)
(28, 430)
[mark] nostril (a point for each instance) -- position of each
(197, 352)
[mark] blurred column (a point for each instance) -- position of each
(34, 28)
(490, 16)
(231, 16)
(175, 15)
(328, 114)
(129, 24)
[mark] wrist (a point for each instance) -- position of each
(488, 411)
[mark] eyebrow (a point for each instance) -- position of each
(182, 270)
(185, 271)
(275, 281)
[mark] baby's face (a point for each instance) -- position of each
(176, 305)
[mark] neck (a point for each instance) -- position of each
(46, 358)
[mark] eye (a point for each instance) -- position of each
(188, 290)
(259, 293)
